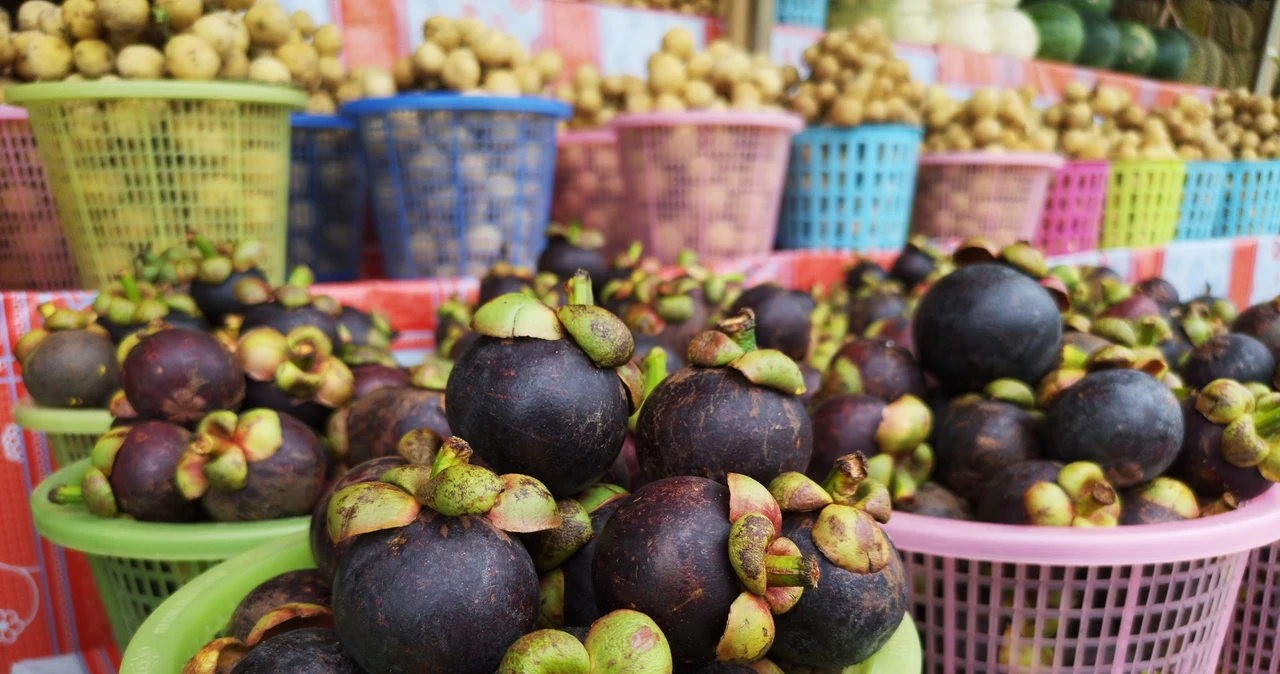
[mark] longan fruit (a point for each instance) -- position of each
(492, 49)
(190, 58)
(182, 13)
(303, 23)
(699, 66)
(470, 29)
(586, 77)
(29, 13)
(49, 57)
(403, 73)
(269, 70)
(698, 94)
(502, 83)
(328, 40)
(549, 64)
(81, 19)
(666, 73)
(93, 58)
(845, 111)
(428, 59)
(461, 70)
(441, 31)
(235, 66)
(679, 43)
(143, 62)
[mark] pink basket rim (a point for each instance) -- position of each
(588, 137)
(1255, 524)
(1085, 163)
(1029, 159)
(12, 112)
(784, 121)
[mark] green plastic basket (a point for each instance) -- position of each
(135, 164)
(1144, 203)
(71, 433)
(138, 565)
(199, 612)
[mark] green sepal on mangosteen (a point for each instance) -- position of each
(756, 521)
(219, 655)
(733, 345)
(273, 619)
(517, 315)
(1095, 501)
(598, 495)
(551, 593)
(96, 492)
(620, 642)
(605, 339)
(747, 496)
(370, 506)
(750, 630)
(223, 447)
(546, 651)
(713, 349)
(851, 539)
(550, 548)
(795, 492)
(1170, 494)
(432, 374)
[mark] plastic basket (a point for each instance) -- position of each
(71, 433)
(328, 194)
(1251, 200)
(995, 598)
(458, 179)
(850, 189)
(997, 196)
(1144, 199)
(33, 249)
(1251, 643)
(1073, 208)
(137, 565)
(1202, 199)
(710, 182)
(588, 186)
(807, 13)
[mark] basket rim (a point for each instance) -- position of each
(62, 421)
(894, 127)
(12, 112)
(784, 121)
(75, 528)
(1254, 524)
(237, 92)
(1046, 160)
(587, 137)
(302, 120)
(454, 101)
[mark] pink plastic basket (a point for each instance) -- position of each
(33, 250)
(1073, 208)
(994, 598)
(997, 196)
(1251, 645)
(589, 187)
(706, 181)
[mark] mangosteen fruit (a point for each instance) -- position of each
(862, 273)
(452, 315)
(373, 425)
(981, 434)
(648, 332)
(934, 500)
(915, 263)
(1161, 292)
(1226, 446)
(1161, 500)
(1135, 305)
(705, 562)
(892, 434)
(878, 369)
(570, 248)
(782, 318)
(1262, 322)
(985, 322)
(369, 378)
(812, 379)
(445, 527)
(735, 409)
(314, 650)
(69, 362)
(128, 305)
(262, 465)
(214, 288)
(1219, 309)
(290, 306)
(1232, 356)
(297, 373)
(133, 473)
(174, 268)
(623, 641)
(305, 586)
(181, 375)
(572, 599)
(503, 278)
(323, 549)
(364, 328)
(895, 330)
(546, 392)
(875, 303)
(1049, 494)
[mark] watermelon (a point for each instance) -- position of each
(1101, 41)
(1173, 53)
(1102, 7)
(1061, 30)
(1137, 48)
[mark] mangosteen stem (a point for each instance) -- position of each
(130, 287)
(742, 328)
(1268, 424)
(203, 245)
(791, 570)
(67, 494)
(577, 290)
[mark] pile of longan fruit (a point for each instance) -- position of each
(855, 78)
(992, 120)
(466, 55)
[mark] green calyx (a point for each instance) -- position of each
(653, 370)
(1172, 495)
(621, 642)
(432, 374)
(713, 349)
(517, 315)
(217, 656)
(749, 632)
(734, 345)
(175, 267)
(676, 308)
(756, 522)
(1011, 391)
(601, 335)
(575, 235)
(598, 495)
(1253, 439)
(551, 596)
(551, 548)
(223, 447)
(1080, 497)
(284, 613)
(1222, 401)
(301, 363)
(643, 319)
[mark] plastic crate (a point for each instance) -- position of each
(588, 187)
(458, 180)
(850, 189)
(969, 194)
(710, 182)
(328, 194)
(1251, 199)
(1144, 200)
(1251, 645)
(137, 565)
(1202, 199)
(993, 598)
(135, 164)
(34, 254)
(806, 13)
(1073, 208)
(71, 433)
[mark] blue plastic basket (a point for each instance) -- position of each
(850, 189)
(328, 193)
(459, 181)
(808, 13)
(1202, 199)
(1251, 200)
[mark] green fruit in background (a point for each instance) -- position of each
(1102, 7)
(1101, 41)
(1137, 48)
(1173, 54)
(1061, 31)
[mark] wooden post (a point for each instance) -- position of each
(1267, 65)
(749, 23)
(762, 23)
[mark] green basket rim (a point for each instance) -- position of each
(75, 528)
(62, 421)
(239, 92)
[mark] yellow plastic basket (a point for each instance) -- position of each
(1144, 203)
(71, 433)
(135, 164)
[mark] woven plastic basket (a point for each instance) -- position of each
(328, 193)
(1251, 200)
(995, 598)
(1073, 208)
(1202, 199)
(135, 164)
(588, 187)
(710, 182)
(850, 189)
(1144, 200)
(456, 179)
(71, 433)
(1251, 645)
(33, 249)
(997, 196)
(137, 565)
(806, 13)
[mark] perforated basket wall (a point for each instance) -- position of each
(328, 194)
(132, 588)
(1144, 201)
(134, 165)
(705, 181)
(1073, 208)
(69, 448)
(33, 249)
(1202, 199)
(850, 188)
(1000, 197)
(807, 13)
(588, 187)
(1251, 645)
(1251, 199)
(458, 180)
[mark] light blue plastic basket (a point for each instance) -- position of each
(850, 189)
(807, 13)
(1251, 199)
(328, 193)
(459, 182)
(1202, 199)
